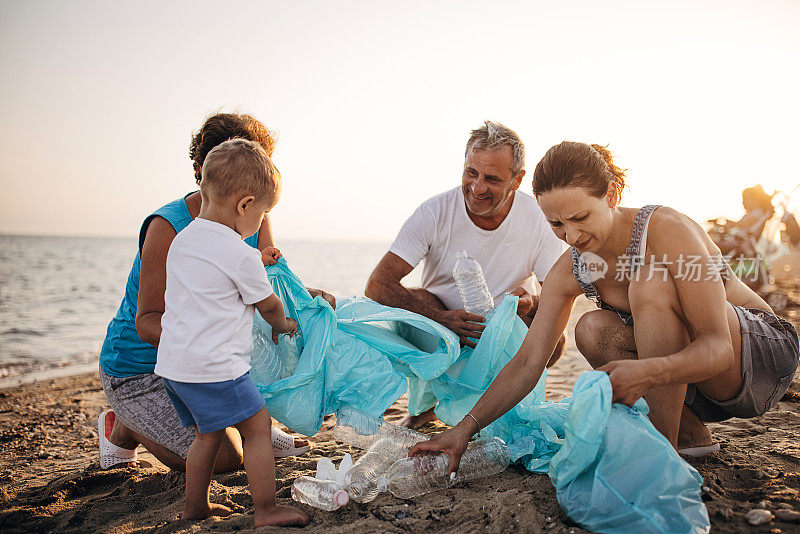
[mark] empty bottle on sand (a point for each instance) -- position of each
(362, 479)
(323, 494)
(361, 430)
(411, 477)
(475, 295)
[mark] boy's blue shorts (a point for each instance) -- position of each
(212, 406)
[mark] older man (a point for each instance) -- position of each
(500, 227)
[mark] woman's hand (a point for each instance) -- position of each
(270, 255)
(630, 379)
(452, 441)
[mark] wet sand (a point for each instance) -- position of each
(50, 478)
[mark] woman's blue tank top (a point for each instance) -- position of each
(124, 353)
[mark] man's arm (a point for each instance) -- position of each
(385, 288)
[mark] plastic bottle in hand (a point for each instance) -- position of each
(475, 295)
(323, 494)
(410, 477)
(265, 362)
(361, 480)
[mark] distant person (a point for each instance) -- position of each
(500, 227)
(675, 326)
(141, 410)
(214, 280)
(735, 238)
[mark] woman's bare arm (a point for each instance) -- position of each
(265, 237)
(153, 279)
(675, 241)
(521, 374)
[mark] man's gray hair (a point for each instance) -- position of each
(493, 135)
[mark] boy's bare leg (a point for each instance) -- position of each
(199, 465)
(259, 463)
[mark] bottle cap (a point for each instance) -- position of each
(341, 497)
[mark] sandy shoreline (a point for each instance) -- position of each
(50, 479)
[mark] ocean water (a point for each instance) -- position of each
(57, 294)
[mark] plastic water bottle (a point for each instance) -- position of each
(361, 481)
(323, 494)
(356, 428)
(361, 430)
(289, 349)
(266, 366)
(475, 295)
(410, 477)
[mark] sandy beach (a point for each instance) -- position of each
(50, 478)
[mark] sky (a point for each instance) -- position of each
(374, 102)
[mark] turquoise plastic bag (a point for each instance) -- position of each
(455, 391)
(601, 486)
(612, 470)
(353, 356)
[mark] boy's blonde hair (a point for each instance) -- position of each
(240, 167)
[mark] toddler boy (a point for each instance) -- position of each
(214, 280)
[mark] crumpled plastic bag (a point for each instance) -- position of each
(612, 470)
(353, 356)
(456, 391)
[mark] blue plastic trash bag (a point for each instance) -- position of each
(456, 391)
(349, 357)
(612, 470)
(616, 473)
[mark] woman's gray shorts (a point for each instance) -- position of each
(142, 404)
(769, 360)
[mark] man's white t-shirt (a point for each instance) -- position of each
(522, 246)
(213, 280)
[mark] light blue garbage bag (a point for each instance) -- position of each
(348, 357)
(456, 391)
(612, 470)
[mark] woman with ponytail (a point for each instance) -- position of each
(674, 325)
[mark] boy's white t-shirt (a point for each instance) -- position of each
(213, 280)
(523, 245)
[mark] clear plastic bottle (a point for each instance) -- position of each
(361, 430)
(410, 477)
(289, 349)
(323, 494)
(361, 481)
(475, 295)
(266, 365)
(356, 428)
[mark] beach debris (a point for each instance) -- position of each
(725, 513)
(758, 516)
(411, 477)
(323, 494)
(788, 515)
(325, 490)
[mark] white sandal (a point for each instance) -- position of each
(110, 454)
(698, 452)
(283, 444)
